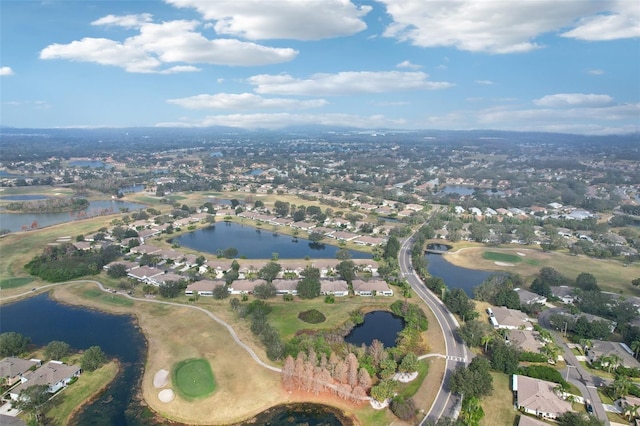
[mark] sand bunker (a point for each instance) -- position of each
(161, 379)
(521, 254)
(405, 377)
(377, 405)
(166, 395)
(504, 264)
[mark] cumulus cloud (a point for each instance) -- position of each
(282, 19)
(126, 21)
(485, 82)
(244, 101)
(279, 120)
(505, 26)
(572, 100)
(168, 42)
(409, 65)
(344, 83)
(6, 71)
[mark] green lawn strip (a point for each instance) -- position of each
(94, 293)
(412, 387)
(15, 282)
(501, 257)
(498, 407)
(193, 378)
(78, 393)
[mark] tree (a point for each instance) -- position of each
(117, 271)
(636, 282)
(472, 381)
(473, 332)
(383, 390)
(13, 344)
(220, 292)
(265, 291)
(281, 208)
(56, 350)
(541, 287)
(171, 289)
(504, 358)
(507, 297)
(231, 276)
(347, 270)
(315, 237)
(403, 408)
(34, 400)
(230, 252)
(343, 254)
(459, 303)
(392, 248)
(621, 386)
(270, 271)
(409, 363)
(587, 282)
(571, 418)
(308, 287)
(93, 358)
(471, 412)
(635, 347)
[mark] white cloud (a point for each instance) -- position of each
(572, 100)
(409, 65)
(244, 101)
(621, 21)
(279, 120)
(344, 83)
(485, 82)
(506, 26)
(6, 71)
(168, 42)
(593, 71)
(281, 19)
(126, 21)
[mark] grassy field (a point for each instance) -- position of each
(501, 257)
(113, 299)
(89, 385)
(193, 378)
(8, 283)
(498, 407)
(612, 275)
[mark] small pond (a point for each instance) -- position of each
(455, 276)
(378, 325)
(15, 221)
(456, 189)
(92, 164)
(131, 189)
(23, 197)
(254, 243)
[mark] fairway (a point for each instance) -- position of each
(193, 378)
(501, 257)
(14, 282)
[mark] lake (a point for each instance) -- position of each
(23, 197)
(455, 276)
(379, 325)
(254, 243)
(456, 189)
(44, 320)
(92, 164)
(131, 189)
(15, 221)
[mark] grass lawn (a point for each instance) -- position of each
(193, 378)
(501, 257)
(15, 282)
(498, 407)
(94, 293)
(410, 389)
(89, 384)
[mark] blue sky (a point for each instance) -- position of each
(545, 65)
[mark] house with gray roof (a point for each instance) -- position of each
(604, 348)
(55, 374)
(537, 397)
(12, 369)
(371, 288)
(510, 319)
(529, 298)
(338, 288)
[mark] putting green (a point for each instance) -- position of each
(193, 378)
(501, 257)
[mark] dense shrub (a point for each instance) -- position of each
(532, 357)
(543, 372)
(312, 316)
(404, 409)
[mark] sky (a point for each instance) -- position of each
(570, 66)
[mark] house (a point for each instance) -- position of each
(55, 374)
(244, 286)
(12, 369)
(510, 319)
(164, 278)
(366, 240)
(338, 288)
(529, 298)
(530, 421)
(564, 293)
(371, 288)
(286, 286)
(202, 288)
(603, 348)
(144, 273)
(537, 397)
(527, 340)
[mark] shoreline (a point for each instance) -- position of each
(96, 394)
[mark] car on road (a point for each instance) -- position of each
(588, 406)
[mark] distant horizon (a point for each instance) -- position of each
(567, 67)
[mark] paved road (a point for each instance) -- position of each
(586, 382)
(446, 404)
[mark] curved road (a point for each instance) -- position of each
(586, 382)
(445, 404)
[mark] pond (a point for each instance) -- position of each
(14, 222)
(131, 189)
(455, 276)
(378, 325)
(23, 197)
(254, 243)
(44, 320)
(92, 164)
(456, 189)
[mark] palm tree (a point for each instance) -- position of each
(486, 339)
(635, 347)
(552, 351)
(613, 362)
(620, 386)
(585, 344)
(472, 411)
